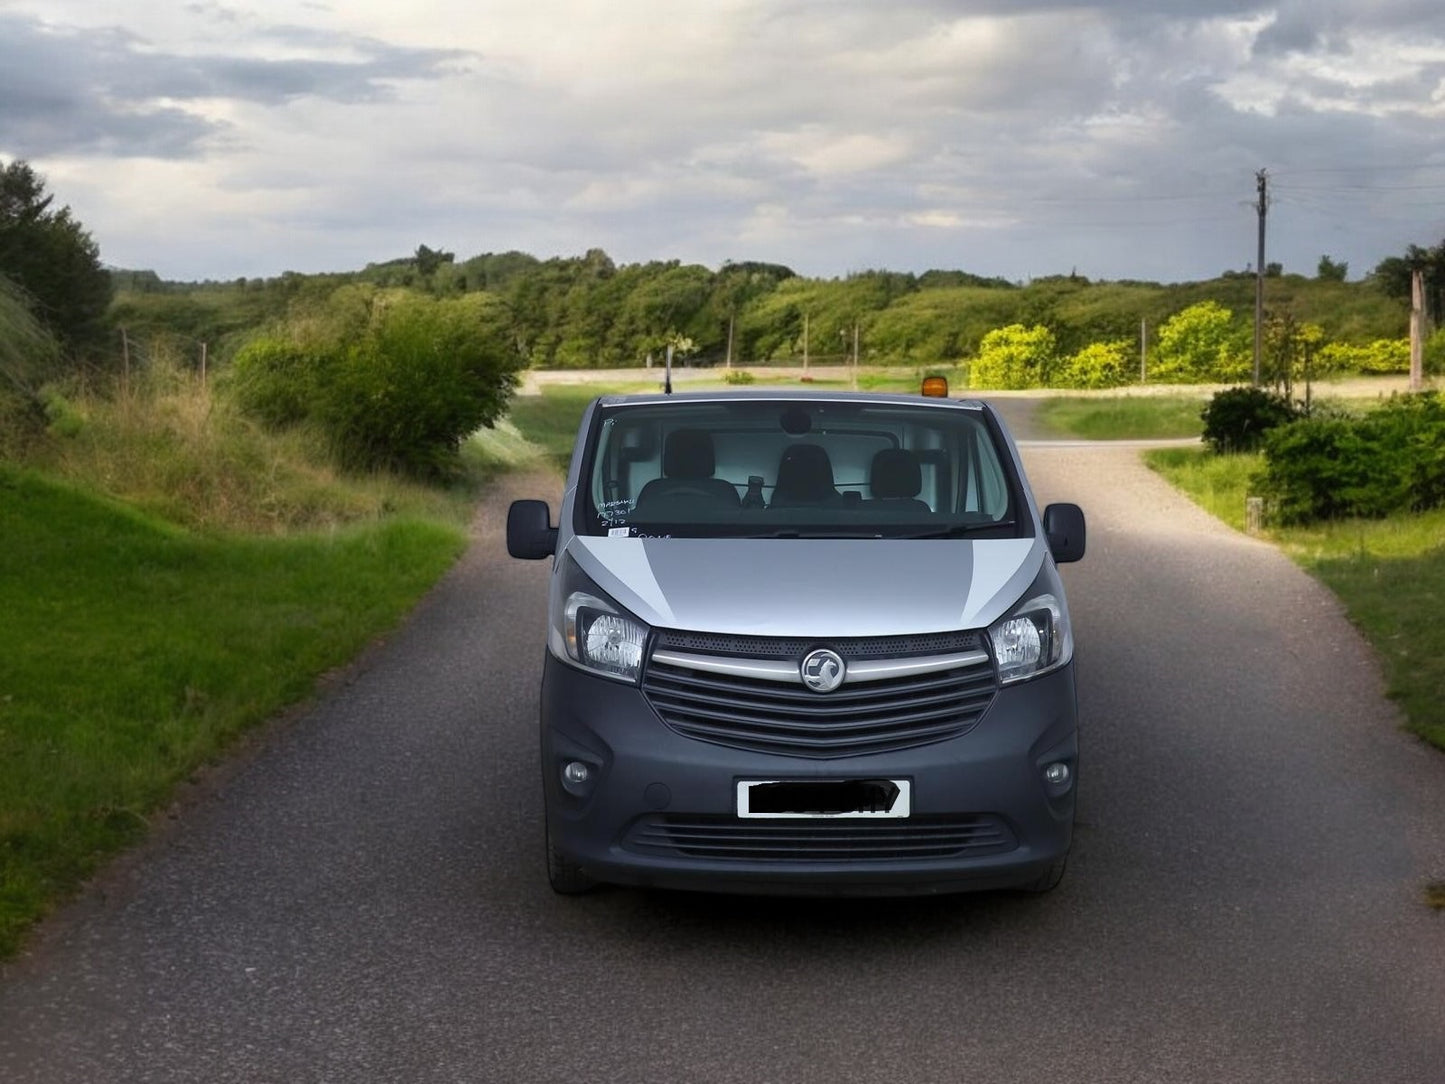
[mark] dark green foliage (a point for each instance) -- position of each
(589, 312)
(1394, 277)
(28, 352)
(1389, 461)
(50, 256)
(1237, 419)
(277, 380)
(392, 380)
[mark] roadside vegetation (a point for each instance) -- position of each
(1358, 500)
(213, 493)
(1124, 417)
(178, 565)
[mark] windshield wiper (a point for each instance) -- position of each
(800, 532)
(962, 530)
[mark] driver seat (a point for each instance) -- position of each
(688, 462)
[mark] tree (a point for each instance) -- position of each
(393, 379)
(1330, 271)
(1393, 275)
(1100, 365)
(50, 256)
(1014, 357)
(1199, 344)
(27, 350)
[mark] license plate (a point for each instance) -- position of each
(822, 799)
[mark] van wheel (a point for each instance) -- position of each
(566, 876)
(1050, 878)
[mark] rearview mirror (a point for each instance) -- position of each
(530, 534)
(1064, 528)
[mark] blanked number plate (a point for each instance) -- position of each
(815, 799)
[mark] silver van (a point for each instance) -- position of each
(804, 643)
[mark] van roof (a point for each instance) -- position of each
(785, 395)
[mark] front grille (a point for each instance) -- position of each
(727, 839)
(785, 718)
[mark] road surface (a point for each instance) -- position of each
(362, 898)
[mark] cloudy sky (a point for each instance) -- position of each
(1118, 138)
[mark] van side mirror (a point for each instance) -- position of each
(530, 534)
(1064, 528)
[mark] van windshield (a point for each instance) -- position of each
(795, 468)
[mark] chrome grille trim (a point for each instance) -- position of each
(725, 702)
(771, 670)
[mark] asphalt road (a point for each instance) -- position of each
(362, 898)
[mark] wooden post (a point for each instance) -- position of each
(855, 357)
(1143, 347)
(1254, 514)
(203, 365)
(1417, 329)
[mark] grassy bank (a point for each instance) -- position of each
(1389, 574)
(133, 651)
(171, 575)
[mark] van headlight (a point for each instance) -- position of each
(596, 633)
(1033, 639)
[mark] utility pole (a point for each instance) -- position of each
(1143, 347)
(1261, 179)
(855, 357)
(731, 319)
(805, 342)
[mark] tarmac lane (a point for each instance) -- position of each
(362, 897)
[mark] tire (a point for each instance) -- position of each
(1050, 878)
(564, 875)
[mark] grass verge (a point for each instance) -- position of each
(133, 651)
(1389, 574)
(1124, 417)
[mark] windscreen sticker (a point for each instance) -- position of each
(619, 532)
(616, 511)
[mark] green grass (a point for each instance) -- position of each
(1123, 417)
(133, 651)
(549, 420)
(1389, 574)
(183, 453)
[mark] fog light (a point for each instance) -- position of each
(575, 773)
(1057, 774)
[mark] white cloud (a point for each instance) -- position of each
(1011, 137)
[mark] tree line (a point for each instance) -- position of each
(588, 312)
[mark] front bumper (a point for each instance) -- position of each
(659, 809)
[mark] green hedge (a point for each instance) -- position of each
(1391, 460)
(392, 380)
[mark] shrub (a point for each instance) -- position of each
(1237, 419)
(1435, 353)
(1380, 356)
(1013, 357)
(1099, 365)
(277, 381)
(399, 383)
(427, 374)
(1200, 344)
(737, 376)
(1389, 461)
